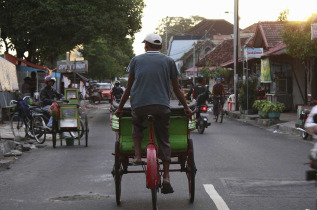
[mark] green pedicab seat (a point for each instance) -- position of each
(178, 131)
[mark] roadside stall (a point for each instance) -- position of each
(8, 85)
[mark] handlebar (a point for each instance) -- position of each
(26, 97)
(13, 102)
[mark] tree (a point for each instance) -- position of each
(172, 26)
(45, 28)
(297, 37)
(108, 59)
(283, 15)
(215, 73)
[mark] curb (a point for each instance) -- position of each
(271, 124)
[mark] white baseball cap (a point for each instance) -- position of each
(153, 39)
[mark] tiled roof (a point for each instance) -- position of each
(212, 26)
(222, 53)
(268, 34)
(250, 29)
(278, 49)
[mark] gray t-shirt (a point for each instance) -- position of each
(153, 73)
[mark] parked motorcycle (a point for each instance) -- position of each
(302, 120)
(312, 173)
(303, 115)
(94, 95)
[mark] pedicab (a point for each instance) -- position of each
(182, 151)
(68, 118)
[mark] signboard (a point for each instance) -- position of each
(74, 66)
(265, 71)
(253, 52)
(314, 31)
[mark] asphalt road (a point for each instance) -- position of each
(240, 167)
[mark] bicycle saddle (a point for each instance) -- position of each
(150, 117)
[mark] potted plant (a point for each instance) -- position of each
(274, 110)
(258, 105)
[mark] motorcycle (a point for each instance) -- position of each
(302, 120)
(202, 118)
(304, 111)
(312, 174)
(202, 112)
(94, 95)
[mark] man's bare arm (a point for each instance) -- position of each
(126, 94)
(180, 96)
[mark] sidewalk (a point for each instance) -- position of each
(286, 123)
(11, 148)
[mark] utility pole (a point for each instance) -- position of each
(236, 50)
(194, 64)
(166, 29)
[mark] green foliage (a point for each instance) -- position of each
(283, 15)
(176, 26)
(272, 107)
(108, 59)
(215, 73)
(250, 94)
(297, 37)
(45, 28)
(259, 104)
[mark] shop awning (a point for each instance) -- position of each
(8, 79)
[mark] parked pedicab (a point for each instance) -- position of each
(67, 117)
(182, 151)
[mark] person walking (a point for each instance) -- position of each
(25, 89)
(150, 76)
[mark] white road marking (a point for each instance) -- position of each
(217, 199)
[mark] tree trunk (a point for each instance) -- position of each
(309, 65)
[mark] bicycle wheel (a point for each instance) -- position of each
(54, 132)
(152, 173)
(117, 173)
(38, 129)
(191, 171)
(152, 178)
(80, 131)
(17, 126)
(200, 126)
(154, 198)
(304, 135)
(221, 114)
(86, 129)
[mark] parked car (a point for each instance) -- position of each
(105, 89)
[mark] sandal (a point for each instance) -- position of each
(136, 162)
(167, 188)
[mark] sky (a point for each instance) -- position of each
(250, 11)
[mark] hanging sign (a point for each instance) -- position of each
(73, 66)
(265, 71)
(253, 52)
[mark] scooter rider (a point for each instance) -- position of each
(117, 91)
(48, 95)
(311, 128)
(199, 93)
(198, 89)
